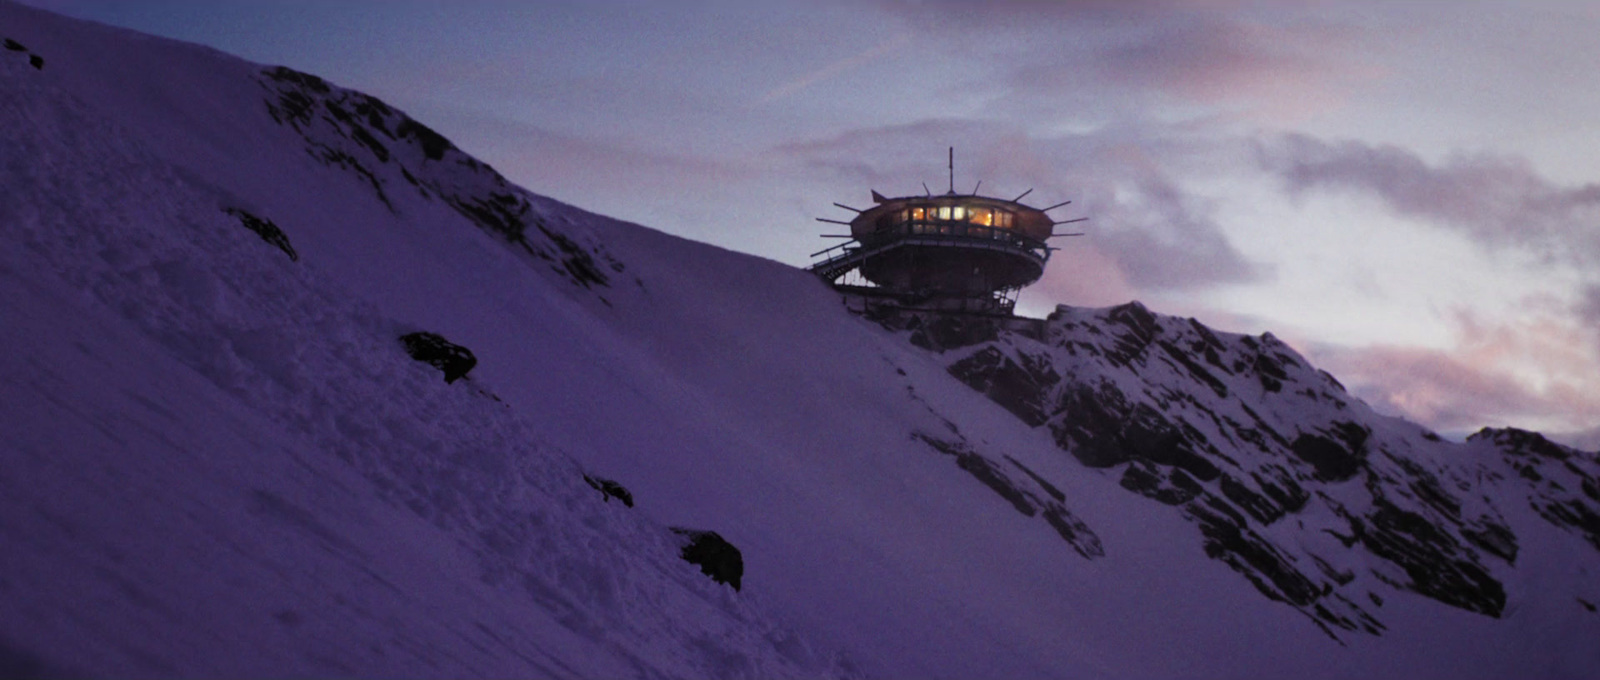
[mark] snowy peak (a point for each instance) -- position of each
(1299, 487)
(1561, 483)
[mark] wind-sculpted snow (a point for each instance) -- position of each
(1288, 479)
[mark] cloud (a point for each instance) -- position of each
(1587, 312)
(1098, 53)
(1158, 235)
(834, 69)
(1165, 239)
(1215, 59)
(1496, 200)
(1541, 373)
(1432, 387)
(1587, 440)
(1588, 308)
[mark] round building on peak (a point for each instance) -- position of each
(949, 252)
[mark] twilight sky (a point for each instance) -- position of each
(1409, 193)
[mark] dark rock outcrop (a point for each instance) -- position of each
(268, 231)
(716, 557)
(1014, 386)
(432, 349)
(1334, 458)
(1237, 433)
(1025, 499)
(34, 60)
(389, 151)
(609, 489)
(1567, 480)
(1432, 558)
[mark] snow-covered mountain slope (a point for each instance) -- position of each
(1289, 480)
(218, 458)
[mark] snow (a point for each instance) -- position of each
(220, 462)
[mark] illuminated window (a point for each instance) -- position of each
(958, 213)
(944, 212)
(917, 214)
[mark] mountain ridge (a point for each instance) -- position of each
(1122, 494)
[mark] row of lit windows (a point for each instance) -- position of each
(987, 217)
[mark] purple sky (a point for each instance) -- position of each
(1406, 192)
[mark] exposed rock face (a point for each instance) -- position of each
(389, 151)
(1036, 499)
(268, 231)
(716, 557)
(432, 349)
(1316, 500)
(1008, 383)
(609, 489)
(34, 60)
(1566, 480)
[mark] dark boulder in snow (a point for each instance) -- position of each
(610, 489)
(33, 59)
(434, 350)
(268, 231)
(716, 557)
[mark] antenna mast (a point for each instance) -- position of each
(952, 170)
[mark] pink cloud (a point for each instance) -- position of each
(1539, 375)
(1496, 200)
(1215, 59)
(1240, 55)
(1588, 307)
